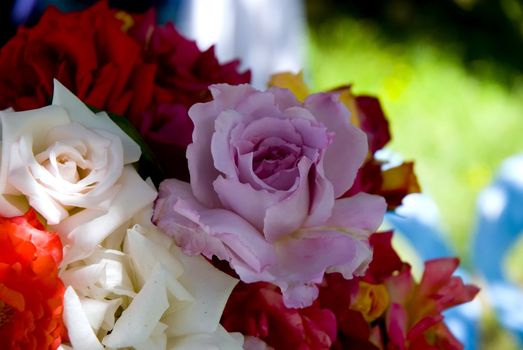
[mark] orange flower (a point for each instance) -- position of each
(31, 294)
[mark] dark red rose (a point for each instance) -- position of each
(372, 120)
(183, 77)
(257, 310)
(87, 52)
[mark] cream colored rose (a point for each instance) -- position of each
(139, 291)
(63, 156)
(74, 167)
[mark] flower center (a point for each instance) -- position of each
(6, 313)
(67, 161)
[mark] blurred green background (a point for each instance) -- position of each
(449, 75)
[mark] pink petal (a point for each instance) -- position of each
(187, 234)
(361, 214)
(303, 261)
(216, 231)
(349, 148)
(284, 98)
(397, 325)
(199, 156)
(322, 202)
(437, 274)
(243, 199)
(220, 143)
(257, 105)
(289, 214)
(227, 96)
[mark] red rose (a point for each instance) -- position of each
(87, 52)
(257, 310)
(31, 294)
(183, 77)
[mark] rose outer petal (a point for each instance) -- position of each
(78, 112)
(303, 261)
(349, 144)
(219, 232)
(361, 213)
(199, 156)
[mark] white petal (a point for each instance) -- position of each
(219, 340)
(100, 311)
(35, 122)
(203, 315)
(82, 232)
(82, 277)
(81, 335)
(138, 321)
(157, 340)
(116, 265)
(79, 112)
(20, 177)
(145, 254)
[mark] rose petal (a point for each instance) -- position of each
(349, 144)
(304, 260)
(198, 229)
(219, 340)
(138, 321)
(243, 243)
(220, 143)
(187, 233)
(37, 123)
(360, 214)
(283, 98)
(157, 340)
(199, 156)
(289, 214)
(227, 96)
(321, 202)
(79, 112)
(100, 313)
(253, 343)
(203, 314)
(244, 200)
(80, 333)
(20, 177)
(145, 254)
(82, 232)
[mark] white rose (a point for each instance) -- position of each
(138, 290)
(63, 156)
(74, 168)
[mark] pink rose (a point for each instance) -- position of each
(265, 173)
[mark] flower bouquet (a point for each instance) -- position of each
(150, 198)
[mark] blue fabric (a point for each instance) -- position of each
(499, 225)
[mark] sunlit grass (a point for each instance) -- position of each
(456, 126)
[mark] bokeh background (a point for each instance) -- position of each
(449, 75)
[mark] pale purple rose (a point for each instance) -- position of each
(265, 173)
